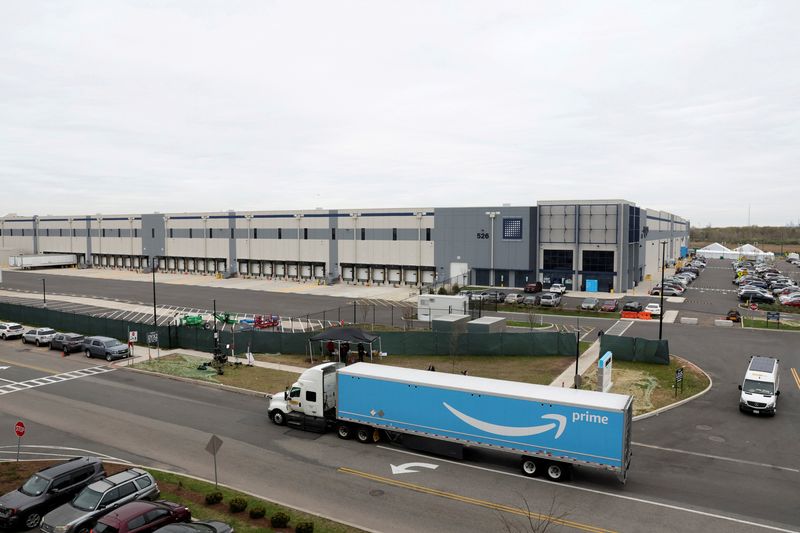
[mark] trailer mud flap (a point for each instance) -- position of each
(434, 446)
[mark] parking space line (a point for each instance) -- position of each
(475, 501)
(796, 377)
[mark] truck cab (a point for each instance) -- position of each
(310, 403)
(760, 388)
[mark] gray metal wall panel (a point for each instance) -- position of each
(153, 236)
(333, 247)
(88, 234)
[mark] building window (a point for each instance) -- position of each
(74, 232)
(394, 234)
(333, 234)
(557, 260)
(232, 237)
(255, 233)
(47, 232)
(280, 233)
(136, 232)
(152, 233)
(171, 233)
(119, 232)
(427, 234)
(60, 232)
(363, 234)
(512, 229)
(104, 232)
(210, 233)
(598, 261)
(11, 232)
(305, 233)
(190, 233)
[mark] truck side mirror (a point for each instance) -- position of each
(286, 395)
(740, 387)
(777, 393)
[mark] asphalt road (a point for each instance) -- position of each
(160, 422)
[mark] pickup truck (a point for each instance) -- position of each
(549, 428)
(557, 288)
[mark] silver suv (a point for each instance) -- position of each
(9, 330)
(38, 336)
(105, 347)
(550, 299)
(99, 498)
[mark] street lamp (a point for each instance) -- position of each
(153, 268)
(577, 351)
(661, 292)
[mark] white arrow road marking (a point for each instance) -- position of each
(4, 367)
(406, 467)
(512, 431)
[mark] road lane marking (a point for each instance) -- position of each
(718, 457)
(569, 486)
(474, 501)
(13, 450)
(796, 377)
(49, 380)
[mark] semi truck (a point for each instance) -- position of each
(549, 428)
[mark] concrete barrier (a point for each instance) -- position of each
(688, 320)
(723, 323)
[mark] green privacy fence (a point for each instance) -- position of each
(395, 343)
(636, 349)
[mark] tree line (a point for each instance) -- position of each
(738, 235)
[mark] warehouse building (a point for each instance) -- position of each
(596, 245)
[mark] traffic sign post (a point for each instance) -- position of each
(774, 315)
(213, 446)
(678, 379)
(19, 429)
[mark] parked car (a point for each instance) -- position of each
(47, 489)
(105, 347)
(531, 300)
(653, 308)
(756, 295)
(609, 306)
(99, 498)
(632, 306)
(38, 336)
(791, 302)
(667, 290)
(550, 299)
(590, 304)
(514, 298)
(10, 330)
(67, 342)
(211, 526)
(557, 288)
(533, 287)
(142, 517)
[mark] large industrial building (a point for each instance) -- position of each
(598, 245)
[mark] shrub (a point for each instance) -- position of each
(213, 497)
(279, 519)
(442, 291)
(237, 505)
(258, 511)
(304, 527)
(455, 289)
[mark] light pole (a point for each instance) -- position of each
(661, 292)
(577, 351)
(44, 293)
(155, 316)
(492, 215)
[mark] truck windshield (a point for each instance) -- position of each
(757, 387)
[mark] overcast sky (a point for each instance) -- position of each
(130, 107)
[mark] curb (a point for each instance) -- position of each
(208, 384)
(681, 402)
(252, 494)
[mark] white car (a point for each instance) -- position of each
(9, 330)
(654, 309)
(557, 288)
(38, 336)
(550, 299)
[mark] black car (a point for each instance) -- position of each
(67, 342)
(632, 306)
(47, 489)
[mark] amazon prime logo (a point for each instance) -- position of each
(560, 422)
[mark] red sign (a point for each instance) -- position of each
(19, 429)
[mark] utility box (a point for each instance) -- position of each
(487, 324)
(430, 306)
(450, 323)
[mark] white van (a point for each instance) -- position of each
(760, 388)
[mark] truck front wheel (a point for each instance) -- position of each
(557, 472)
(344, 431)
(530, 467)
(278, 417)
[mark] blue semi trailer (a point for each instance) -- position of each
(550, 428)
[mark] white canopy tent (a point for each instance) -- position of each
(751, 252)
(717, 251)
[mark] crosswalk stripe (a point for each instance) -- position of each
(56, 378)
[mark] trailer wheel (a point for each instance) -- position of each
(530, 467)
(344, 431)
(556, 472)
(364, 434)
(278, 417)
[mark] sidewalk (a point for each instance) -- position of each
(140, 356)
(585, 362)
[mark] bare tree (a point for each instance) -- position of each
(534, 522)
